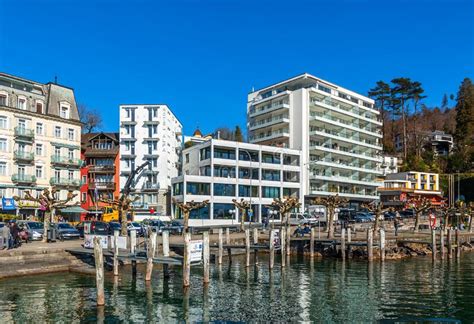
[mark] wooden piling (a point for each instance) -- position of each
(370, 245)
(133, 244)
(450, 244)
(187, 259)
(272, 249)
(433, 244)
(283, 246)
(348, 235)
(311, 242)
(99, 271)
(343, 243)
(227, 236)
(205, 256)
(116, 252)
(458, 244)
(229, 255)
(221, 246)
(247, 247)
(288, 240)
(382, 244)
(441, 239)
(150, 253)
(255, 235)
(165, 236)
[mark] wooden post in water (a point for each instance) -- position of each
(133, 244)
(288, 239)
(382, 244)
(227, 236)
(441, 239)
(348, 235)
(458, 245)
(116, 252)
(450, 243)
(247, 247)
(311, 242)
(205, 256)
(272, 248)
(433, 244)
(187, 259)
(99, 271)
(255, 235)
(221, 246)
(283, 246)
(150, 253)
(165, 235)
(370, 245)
(343, 243)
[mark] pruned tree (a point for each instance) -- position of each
(331, 203)
(49, 201)
(186, 208)
(124, 206)
(242, 206)
(378, 208)
(419, 205)
(90, 118)
(284, 206)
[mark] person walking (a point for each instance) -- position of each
(396, 224)
(6, 236)
(14, 234)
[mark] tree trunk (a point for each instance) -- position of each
(417, 221)
(242, 219)
(46, 222)
(186, 221)
(470, 223)
(445, 221)
(123, 222)
(331, 223)
(405, 142)
(377, 222)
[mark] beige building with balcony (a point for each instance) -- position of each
(40, 138)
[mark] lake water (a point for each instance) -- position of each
(320, 290)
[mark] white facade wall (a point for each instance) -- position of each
(213, 169)
(337, 130)
(150, 132)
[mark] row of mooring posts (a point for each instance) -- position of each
(452, 249)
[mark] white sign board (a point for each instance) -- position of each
(87, 228)
(104, 240)
(196, 250)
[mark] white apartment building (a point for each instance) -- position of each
(389, 165)
(40, 140)
(150, 133)
(221, 170)
(337, 130)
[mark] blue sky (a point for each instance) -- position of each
(202, 57)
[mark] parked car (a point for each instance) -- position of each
(407, 213)
(362, 217)
(135, 226)
(301, 219)
(175, 227)
(97, 228)
(388, 216)
(2, 224)
(66, 231)
(155, 224)
(35, 229)
(114, 226)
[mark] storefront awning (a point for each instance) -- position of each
(73, 210)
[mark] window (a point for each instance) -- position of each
(39, 171)
(3, 192)
(3, 168)
(244, 173)
(3, 145)
(3, 99)
(271, 175)
(245, 155)
(64, 112)
(222, 211)
(21, 104)
(187, 157)
(223, 171)
(70, 154)
(84, 179)
(83, 196)
(221, 153)
(155, 129)
(273, 158)
(39, 107)
(39, 128)
(57, 131)
(3, 122)
(270, 192)
(70, 175)
(178, 188)
(221, 189)
(22, 124)
(195, 188)
(244, 191)
(57, 151)
(127, 112)
(154, 162)
(200, 213)
(291, 192)
(205, 153)
(57, 174)
(70, 134)
(155, 112)
(39, 149)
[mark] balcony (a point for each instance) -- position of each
(102, 169)
(22, 133)
(343, 136)
(270, 135)
(327, 118)
(112, 152)
(253, 112)
(100, 185)
(352, 153)
(65, 182)
(342, 179)
(21, 178)
(23, 156)
(269, 122)
(66, 161)
(148, 186)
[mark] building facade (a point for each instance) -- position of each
(221, 170)
(398, 188)
(337, 130)
(150, 133)
(389, 165)
(100, 173)
(40, 140)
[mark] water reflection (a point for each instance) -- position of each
(306, 290)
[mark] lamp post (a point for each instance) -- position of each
(272, 213)
(250, 179)
(232, 212)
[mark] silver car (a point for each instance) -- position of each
(35, 229)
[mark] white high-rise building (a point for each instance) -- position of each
(150, 133)
(337, 130)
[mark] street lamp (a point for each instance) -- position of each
(232, 212)
(272, 214)
(250, 178)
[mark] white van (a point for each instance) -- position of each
(301, 219)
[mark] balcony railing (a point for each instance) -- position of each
(100, 185)
(65, 160)
(23, 178)
(268, 107)
(24, 132)
(65, 182)
(151, 186)
(102, 168)
(271, 135)
(23, 156)
(269, 121)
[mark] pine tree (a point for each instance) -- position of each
(381, 94)
(238, 137)
(402, 92)
(464, 134)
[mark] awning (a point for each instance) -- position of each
(73, 210)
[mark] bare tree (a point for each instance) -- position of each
(331, 203)
(186, 208)
(242, 206)
(91, 118)
(419, 205)
(378, 208)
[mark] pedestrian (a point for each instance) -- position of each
(6, 236)
(396, 224)
(14, 234)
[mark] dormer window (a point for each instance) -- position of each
(39, 107)
(21, 103)
(64, 110)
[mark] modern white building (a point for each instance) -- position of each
(40, 141)
(389, 165)
(337, 130)
(150, 133)
(221, 170)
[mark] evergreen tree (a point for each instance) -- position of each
(464, 134)
(402, 92)
(381, 94)
(238, 137)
